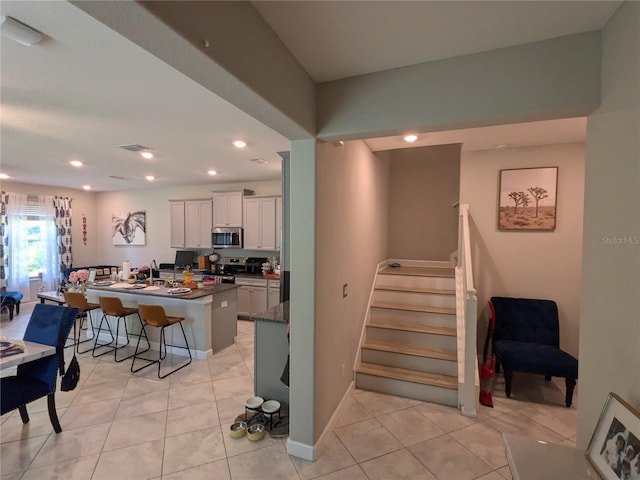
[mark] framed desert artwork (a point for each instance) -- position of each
(527, 199)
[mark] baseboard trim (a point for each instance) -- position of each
(310, 452)
(301, 450)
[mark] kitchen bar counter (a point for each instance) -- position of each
(277, 314)
(211, 314)
(271, 352)
(162, 291)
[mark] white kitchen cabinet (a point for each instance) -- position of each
(227, 208)
(252, 296)
(197, 223)
(278, 223)
(273, 293)
(260, 223)
(176, 223)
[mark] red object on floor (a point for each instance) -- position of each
(488, 368)
(486, 376)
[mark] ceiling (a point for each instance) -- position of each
(84, 90)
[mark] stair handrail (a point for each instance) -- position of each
(469, 396)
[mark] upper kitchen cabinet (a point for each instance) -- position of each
(260, 223)
(190, 223)
(227, 208)
(176, 222)
(197, 225)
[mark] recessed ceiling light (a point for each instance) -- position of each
(212, 172)
(151, 178)
(147, 154)
(3, 176)
(239, 143)
(260, 161)
(76, 163)
(86, 187)
(410, 138)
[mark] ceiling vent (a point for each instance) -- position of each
(134, 148)
(117, 177)
(260, 161)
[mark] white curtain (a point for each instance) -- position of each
(50, 252)
(17, 251)
(20, 209)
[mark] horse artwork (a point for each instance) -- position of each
(129, 228)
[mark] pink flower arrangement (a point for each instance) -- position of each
(79, 276)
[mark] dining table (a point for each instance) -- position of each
(32, 351)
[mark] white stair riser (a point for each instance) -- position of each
(421, 318)
(441, 283)
(411, 338)
(410, 362)
(415, 298)
(418, 391)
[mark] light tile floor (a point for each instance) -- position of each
(118, 425)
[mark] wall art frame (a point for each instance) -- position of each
(129, 228)
(527, 199)
(614, 449)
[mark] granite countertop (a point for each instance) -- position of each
(277, 314)
(161, 291)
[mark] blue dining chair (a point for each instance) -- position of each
(49, 325)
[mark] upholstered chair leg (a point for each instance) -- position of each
(23, 413)
(18, 308)
(508, 376)
(571, 383)
(547, 378)
(10, 305)
(53, 415)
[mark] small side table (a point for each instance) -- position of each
(531, 459)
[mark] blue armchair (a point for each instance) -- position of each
(526, 338)
(49, 325)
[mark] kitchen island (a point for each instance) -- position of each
(211, 314)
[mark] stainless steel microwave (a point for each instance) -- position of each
(227, 237)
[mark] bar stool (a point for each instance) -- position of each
(155, 316)
(112, 307)
(78, 300)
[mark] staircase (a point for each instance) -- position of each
(410, 344)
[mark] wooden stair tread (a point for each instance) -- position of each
(412, 327)
(435, 379)
(419, 271)
(437, 291)
(414, 308)
(440, 353)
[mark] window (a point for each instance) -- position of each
(35, 230)
(32, 242)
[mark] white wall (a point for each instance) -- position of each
(527, 264)
(351, 238)
(98, 208)
(555, 78)
(424, 185)
(610, 307)
(155, 201)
